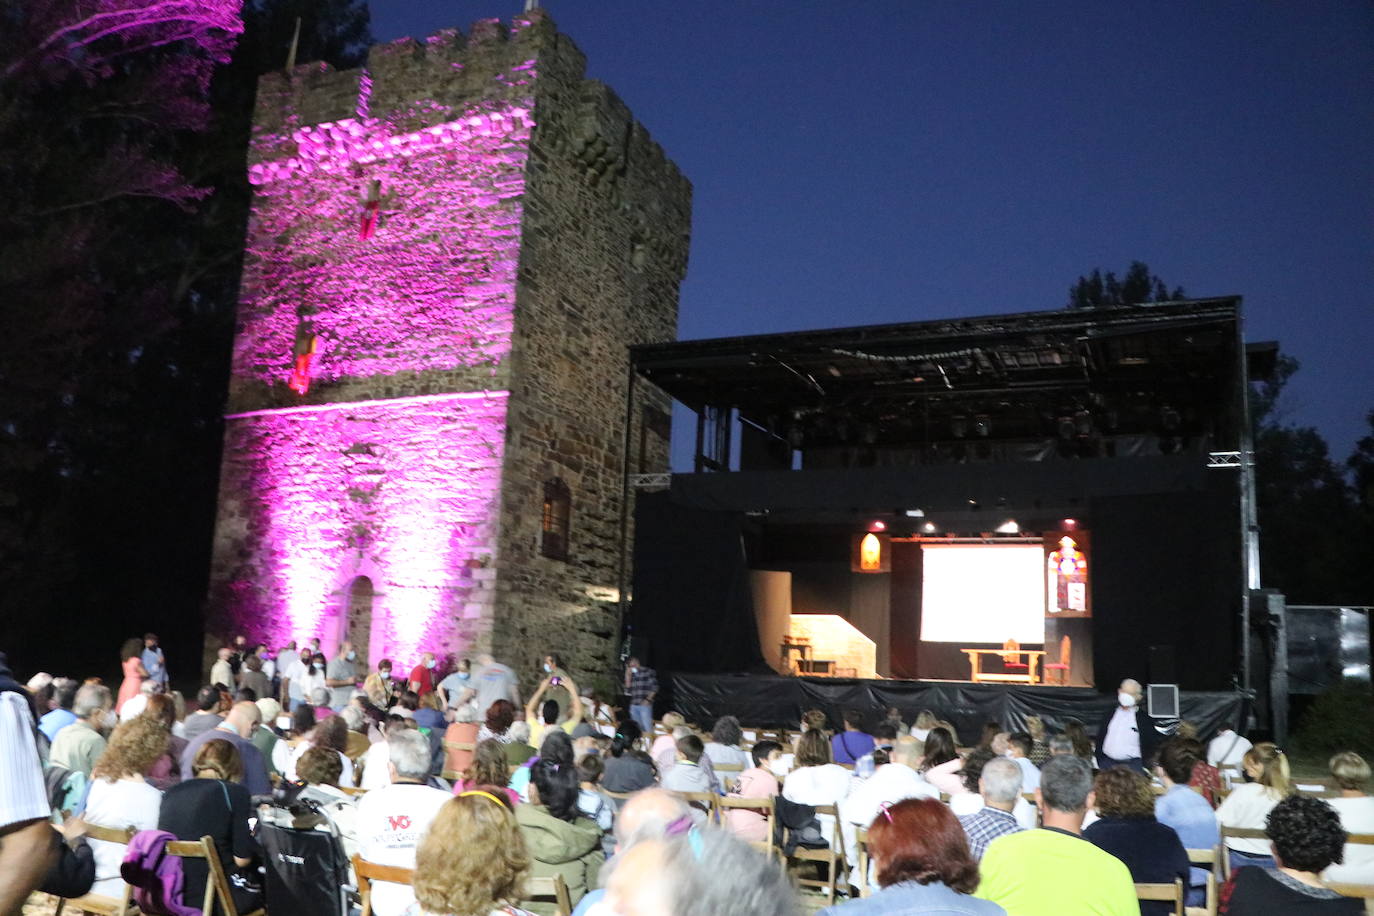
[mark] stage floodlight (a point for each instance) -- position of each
(1009, 527)
(915, 513)
(928, 527)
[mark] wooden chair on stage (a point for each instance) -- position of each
(1012, 660)
(1061, 666)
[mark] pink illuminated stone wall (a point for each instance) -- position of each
(465, 347)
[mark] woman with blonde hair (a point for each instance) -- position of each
(488, 768)
(1267, 783)
(472, 861)
(1350, 774)
(120, 795)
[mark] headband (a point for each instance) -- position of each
(502, 805)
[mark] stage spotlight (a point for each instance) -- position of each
(1069, 523)
(877, 525)
(915, 513)
(928, 527)
(973, 504)
(1009, 527)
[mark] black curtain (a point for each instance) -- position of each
(693, 610)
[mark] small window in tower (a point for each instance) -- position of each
(557, 518)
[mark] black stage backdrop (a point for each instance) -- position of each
(692, 604)
(772, 701)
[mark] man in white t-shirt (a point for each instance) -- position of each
(1227, 750)
(1019, 746)
(889, 784)
(391, 820)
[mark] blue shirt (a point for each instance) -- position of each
(1192, 819)
(908, 897)
(153, 664)
(54, 721)
(848, 747)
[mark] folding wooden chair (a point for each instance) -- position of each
(1238, 833)
(728, 772)
(554, 889)
(99, 903)
(352, 790)
(705, 802)
(454, 775)
(759, 805)
(861, 843)
(366, 872)
(217, 883)
(1212, 859)
(1364, 891)
(1172, 893)
(832, 858)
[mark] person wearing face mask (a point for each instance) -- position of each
(557, 678)
(422, 676)
(456, 690)
(314, 677)
(1127, 737)
(381, 688)
(78, 745)
(341, 675)
(762, 780)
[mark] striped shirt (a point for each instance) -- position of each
(22, 794)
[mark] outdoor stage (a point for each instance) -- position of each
(773, 701)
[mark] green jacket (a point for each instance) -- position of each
(571, 849)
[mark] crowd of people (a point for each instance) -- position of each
(451, 775)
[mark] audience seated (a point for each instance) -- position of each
(923, 864)
(941, 763)
(319, 768)
(687, 774)
(488, 768)
(889, 784)
(1350, 774)
(647, 816)
(462, 731)
(1126, 828)
(498, 720)
(1019, 749)
(355, 739)
(120, 795)
(1266, 768)
(1227, 750)
(1082, 744)
(392, 819)
(1040, 749)
(560, 839)
(1052, 870)
(664, 747)
(550, 713)
(1206, 779)
(518, 747)
(724, 747)
(166, 770)
(206, 714)
(473, 858)
(330, 733)
(213, 802)
(628, 769)
(998, 781)
(925, 721)
(816, 780)
(1185, 810)
(79, 745)
(971, 801)
(759, 781)
(61, 715)
(236, 728)
(851, 742)
(1307, 838)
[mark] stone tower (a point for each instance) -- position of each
(426, 441)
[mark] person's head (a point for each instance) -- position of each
(727, 731)
(1129, 693)
(548, 712)
(1059, 744)
(485, 659)
(698, 873)
(330, 732)
(64, 693)
(465, 714)
(384, 667)
(1019, 744)
(408, 754)
(218, 759)
(519, 732)
(409, 700)
(672, 720)
(907, 751)
(973, 765)
(244, 718)
(555, 784)
(1078, 736)
(253, 663)
(552, 662)
(920, 840)
(1035, 726)
(150, 640)
(557, 745)
(489, 766)
(853, 720)
(1000, 744)
(91, 703)
(245, 694)
(130, 649)
(318, 661)
(590, 768)
(812, 749)
(925, 720)
(499, 717)
(647, 815)
(1349, 771)
(161, 707)
(354, 720)
(1267, 765)
(1066, 785)
(302, 720)
(207, 698)
(990, 731)
(346, 651)
(690, 748)
(632, 662)
(134, 747)
(224, 653)
(813, 720)
(1176, 761)
(319, 766)
(1306, 833)
(1123, 792)
(1000, 782)
(939, 748)
(473, 857)
(240, 642)
(1185, 729)
(269, 709)
(885, 733)
(319, 696)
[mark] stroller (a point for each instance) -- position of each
(306, 870)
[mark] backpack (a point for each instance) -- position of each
(155, 875)
(66, 789)
(797, 826)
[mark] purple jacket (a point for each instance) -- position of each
(156, 876)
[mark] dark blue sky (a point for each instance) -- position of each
(859, 162)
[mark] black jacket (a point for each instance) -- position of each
(1144, 726)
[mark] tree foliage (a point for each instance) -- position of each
(1097, 290)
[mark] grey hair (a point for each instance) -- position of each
(519, 731)
(90, 698)
(713, 872)
(1060, 744)
(682, 731)
(353, 717)
(1001, 780)
(650, 817)
(907, 750)
(1131, 682)
(319, 696)
(466, 713)
(1065, 783)
(408, 751)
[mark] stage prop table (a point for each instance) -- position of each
(1033, 659)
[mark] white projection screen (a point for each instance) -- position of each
(983, 593)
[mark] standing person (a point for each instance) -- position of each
(252, 677)
(641, 686)
(422, 675)
(494, 681)
(131, 663)
(341, 676)
(222, 672)
(26, 838)
(456, 689)
(1128, 737)
(1052, 870)
(381, 688)
(153, 661)
(287, 657)
(555, 675)
(80, 744)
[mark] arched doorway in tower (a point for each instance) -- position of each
(358, 618)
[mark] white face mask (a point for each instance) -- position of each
(548, 667)
(1125, 699)
(110, 720)
(778, 766)
(284, 722)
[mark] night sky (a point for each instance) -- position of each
(864, 162)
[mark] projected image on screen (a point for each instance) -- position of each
(983, 593)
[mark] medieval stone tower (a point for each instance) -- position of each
(426, 441)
